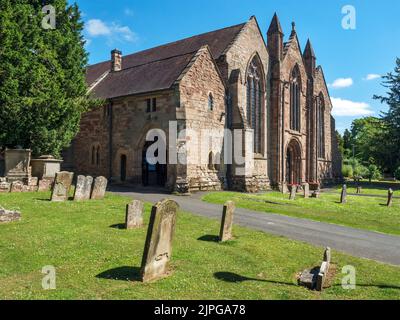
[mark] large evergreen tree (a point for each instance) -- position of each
(42, 76)
(392, 117)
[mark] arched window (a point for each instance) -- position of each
(211, 161)
(255, 101)
(321, 126)
(295, 107)
(210, 102)
(98, 156)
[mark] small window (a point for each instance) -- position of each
(154, 105)
(148, 101)
(93, 155)
(210, 102)
(98, 156)
(211, 161)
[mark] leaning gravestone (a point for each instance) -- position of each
(99, 188)
(9, 216)
(83, 188)
(306, 190)
(359, 190)
(343, 197)
(134, 215)
(390, 198)
(225, 233)
(314, 278)
(158, 247)
(293, 193)
(61, 186)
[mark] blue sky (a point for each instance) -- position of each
(347, 56)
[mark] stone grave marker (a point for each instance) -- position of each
(5, 187)
(61, 186)
(83, 188)
(99, 188)
(134, 215)
(359, 190)
(343, 197)
(9, 216)
(225, 233)
(314, 278)
(390, 198)
(17, 186)
(293, 193)
(45, 185)
(158, 247)
(306, 190)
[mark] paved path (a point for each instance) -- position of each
(356, 242)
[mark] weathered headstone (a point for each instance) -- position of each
(99, 188)
(314, 278)
(134, 214)
(316, 194)
(327, 255)
(359, 190)
(390, 198)
(306, 190)
(293, 193)
(17, 186)
(45, 185)
(343, 197)
(83, 188)
(225, 233)
(9, 216)
(61, 186)
(158, 247)
(5, 187)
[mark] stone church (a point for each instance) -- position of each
(225, 79)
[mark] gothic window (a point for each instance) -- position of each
(321, 126)
(98, 156)
(295, 107)
(255, 86)
(93, 154)
(211, 161)
(210, 102)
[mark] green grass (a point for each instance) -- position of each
(96, 261)
(379, 188)
(360, 212)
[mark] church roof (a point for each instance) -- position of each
(157, 68)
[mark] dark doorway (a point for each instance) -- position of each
(153, 174)
(293, 163)
(123, 167)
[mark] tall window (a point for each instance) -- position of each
(255, 101)
(295, 107)
(321, 126)
(210, 102)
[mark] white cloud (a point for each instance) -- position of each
(372, 76)
(113, 31)
(96, 27)
(342, 83)
(348, 108)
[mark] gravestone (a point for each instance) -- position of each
(83, 188)
(293, 193)
(316, 194)
(61, 186)
(5, 187)
(9, 216)
(314, 278)
(306, 190)
(158, 247)
(99, 188)
(359, 190)
(45, 185)
(225, 233)
(17, 186)
(134, 215)
(390, 198)
(343, 197)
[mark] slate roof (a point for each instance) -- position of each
(157, 68)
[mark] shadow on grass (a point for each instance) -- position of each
(118, 226)
(121, 274)
(379, 286)
(209, 238)
(236, 278)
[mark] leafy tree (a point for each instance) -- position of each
(397, 173)
(392, 117)
(340, 141)
(42, 76)
(347, 144)
(374, 173)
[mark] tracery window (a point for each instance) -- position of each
(295, 105)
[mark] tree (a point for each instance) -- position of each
(373, 173)
(347, 144)
(392, 117)
(340, 141)
(42, 76)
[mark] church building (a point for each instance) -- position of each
(228, 79)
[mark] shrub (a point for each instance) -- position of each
(347, 171)
(397, 174)
(374, 173)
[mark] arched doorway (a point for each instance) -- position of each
(152, 174)
(123, 167)
(293, 163)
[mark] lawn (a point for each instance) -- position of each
(94, 259)
(360, 212)
(379, 188)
